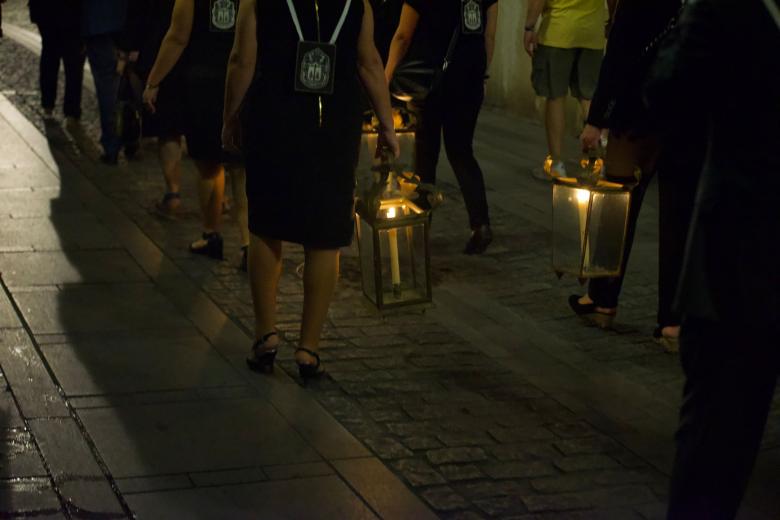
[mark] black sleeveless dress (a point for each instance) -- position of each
(300, 170)
(205, 68)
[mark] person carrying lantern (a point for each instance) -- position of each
(635, 143)
(455, 39)
(199, 39)
(297, 68)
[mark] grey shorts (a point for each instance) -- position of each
(556, 70)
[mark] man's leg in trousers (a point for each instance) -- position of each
(73, 60)
(102, 60)
(427, 142)
(51, 49)
(459, 127)
(626, 155)
(677, 184)
(731, 372)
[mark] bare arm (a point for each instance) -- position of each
(490, 32)
(372, 75)
(174, 43)
(535, 8)
(534, 11)
(402, 39)
(243, 59)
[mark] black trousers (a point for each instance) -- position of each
(678, 177)
(731, 373)
(453, 111)
(624, 155)
(61, 44)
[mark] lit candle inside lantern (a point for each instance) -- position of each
(583, 200)
(395, 266)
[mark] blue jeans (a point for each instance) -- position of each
(101, 53)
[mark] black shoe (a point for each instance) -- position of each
(262, 359)
(310, 371)
(111, 159)
(244, 265)
(588, 312)
(213, 248)
(481, 238)
(131, 150)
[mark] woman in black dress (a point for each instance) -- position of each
(301, 138)
(454, 105)
(199, 39)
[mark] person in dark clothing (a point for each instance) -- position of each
(635, 144)
(200, 38)
(148, 23)
(301, 140)
(101, 22)
(453, 107)
(59, 22)
(730, 288)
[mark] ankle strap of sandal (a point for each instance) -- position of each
(309, 352)
(262, 341)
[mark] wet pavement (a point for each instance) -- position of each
(127, 393)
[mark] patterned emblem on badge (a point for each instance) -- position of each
(223, 14)
(472, 16)
(315, 69)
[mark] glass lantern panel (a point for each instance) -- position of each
(365, 236)
(570, 211)
(403, 264)
(607, 233)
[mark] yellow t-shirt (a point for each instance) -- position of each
(569, 24)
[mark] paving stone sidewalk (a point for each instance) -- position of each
(493, 402)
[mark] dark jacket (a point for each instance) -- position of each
(103, 17)
(722, 64)
(61, 13)
(617, 103)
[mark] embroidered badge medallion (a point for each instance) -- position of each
(223, 15)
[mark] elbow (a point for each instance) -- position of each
(402, 40)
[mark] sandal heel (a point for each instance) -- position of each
(261, 359)
(310, 371)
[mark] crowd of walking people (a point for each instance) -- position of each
(274, 93)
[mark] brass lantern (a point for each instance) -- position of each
(590, 220)
(393, 239)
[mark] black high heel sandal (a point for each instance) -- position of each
(213, 248)
(589, 312)
(310, 371)
(262, 359)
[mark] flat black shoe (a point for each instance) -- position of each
(310, 370)
(588, 312)
(213, 247)
(262, 359)
(481, 238)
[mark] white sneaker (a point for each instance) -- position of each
(558, 169)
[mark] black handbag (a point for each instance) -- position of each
(414, 80)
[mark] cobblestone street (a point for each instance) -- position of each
(123, 357)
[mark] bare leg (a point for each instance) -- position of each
(240, 208)
(211, 190)
(265, 268)
(319, 282)
(584, 109)
(555, 122)
(169, 153)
